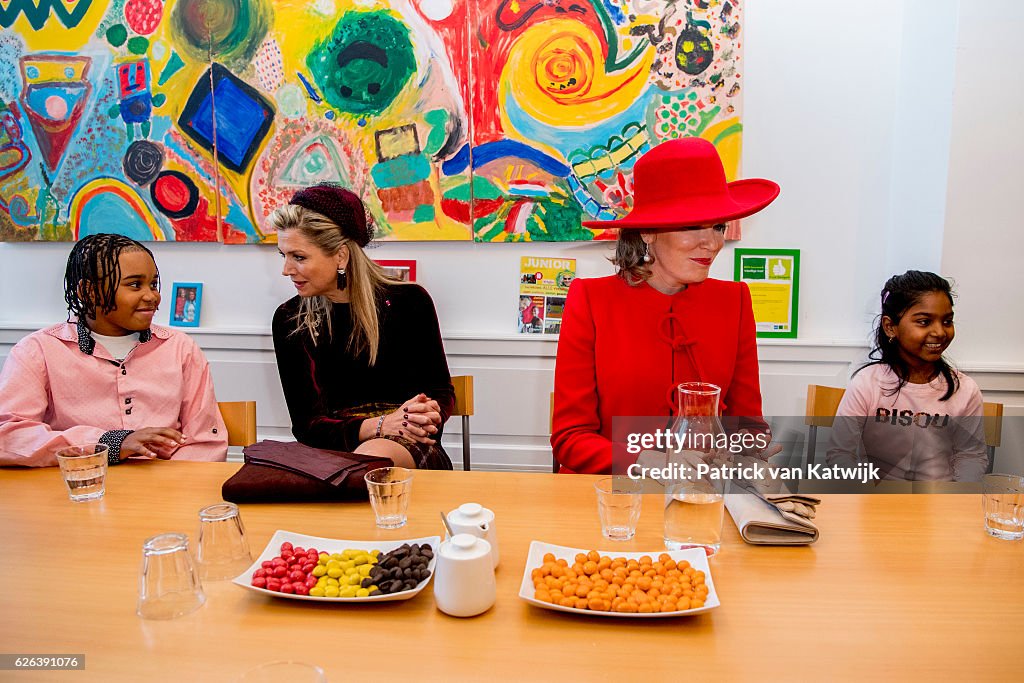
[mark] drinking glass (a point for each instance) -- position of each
(390, 489)
(618, 506)
(168, 584)
(223, 548)
(1003, 504)
(84, 469)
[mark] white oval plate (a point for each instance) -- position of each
(697, 558)
(334, 545)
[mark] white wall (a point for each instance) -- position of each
(894, 128)
(983, 241)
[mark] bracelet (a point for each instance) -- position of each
(380, 427)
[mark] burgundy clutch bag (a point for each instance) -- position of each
(290, 472)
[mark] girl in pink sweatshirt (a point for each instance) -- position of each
(908, 410)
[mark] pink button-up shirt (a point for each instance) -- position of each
(52, 394)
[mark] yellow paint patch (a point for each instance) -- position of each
(729, 147)
(54, 35)
(556, 73)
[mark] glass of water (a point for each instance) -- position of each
(84, 469)
(390, 489)
(1003, 502)
(618, 506)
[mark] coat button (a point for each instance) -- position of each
(128, 412)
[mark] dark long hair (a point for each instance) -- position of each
(900, 293)
(94, 272)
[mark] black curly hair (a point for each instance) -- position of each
(899, 294)
(95, 261)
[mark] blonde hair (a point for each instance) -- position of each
(366, 281)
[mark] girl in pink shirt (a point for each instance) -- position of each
(110, 375)
(907, 410)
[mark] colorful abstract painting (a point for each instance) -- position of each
(487, 120)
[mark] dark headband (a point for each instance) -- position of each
(341, 206)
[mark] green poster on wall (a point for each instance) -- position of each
(773, 276)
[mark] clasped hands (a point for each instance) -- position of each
(419, 419)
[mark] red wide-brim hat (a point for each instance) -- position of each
(681, 183)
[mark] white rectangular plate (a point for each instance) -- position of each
(333, 545)
(697, 558)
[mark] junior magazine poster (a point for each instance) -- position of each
(543, 284)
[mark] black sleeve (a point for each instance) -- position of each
(311, 423)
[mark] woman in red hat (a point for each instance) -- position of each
(360, 355)
(627, 340)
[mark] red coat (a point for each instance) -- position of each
(622, 351)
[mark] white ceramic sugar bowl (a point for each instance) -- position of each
(475, 519)
(464, 583)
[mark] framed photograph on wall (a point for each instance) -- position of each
(404, 270)
(186, 303)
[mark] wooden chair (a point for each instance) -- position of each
(822, 404)
(993, 413)
(240, 419)
(463, 385)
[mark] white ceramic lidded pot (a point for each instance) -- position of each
(475, 519)
(464, 578)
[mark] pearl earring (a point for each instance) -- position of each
(647, 254)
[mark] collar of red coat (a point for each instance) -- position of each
(75, 331)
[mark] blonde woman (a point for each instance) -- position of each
(360, 355)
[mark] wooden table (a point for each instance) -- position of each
(899, 587)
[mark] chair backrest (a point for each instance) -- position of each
(993, 413)
(822, 404)
(240, 419)
(993, 423)
(463, 385)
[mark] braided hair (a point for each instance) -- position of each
(94, 272)
(900, 293)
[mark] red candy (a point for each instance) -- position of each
(290, 572)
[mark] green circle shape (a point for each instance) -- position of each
(363, 66)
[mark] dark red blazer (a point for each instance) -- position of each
(622, 351)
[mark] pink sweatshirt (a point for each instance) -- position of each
(911, 435)
(58, 389)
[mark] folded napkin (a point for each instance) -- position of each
(782, 522)
(278, 472)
